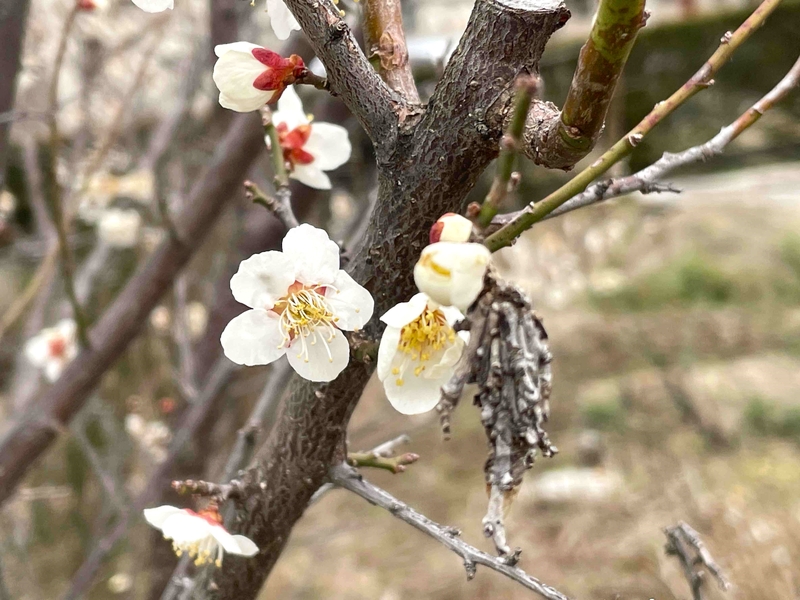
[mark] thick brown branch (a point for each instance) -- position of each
(346, 477)
(349, 73)
(386, 44)
(426, 173)
(12, 30)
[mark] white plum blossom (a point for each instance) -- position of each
(451, 273)
(451, 227)
(301, 301)
(119, 228)
(249, 76)
(52, 348)
(309, 147)
(154, 6)
(200, 535)
(281, 18)
(418, 352)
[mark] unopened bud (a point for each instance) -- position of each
(451, 228)
(451, 273)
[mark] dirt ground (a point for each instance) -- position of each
(675, 325)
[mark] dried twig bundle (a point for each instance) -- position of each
(509, 358)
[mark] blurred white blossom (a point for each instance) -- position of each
(200, 535)
(451, 227)
(153, 6)
(53, 348)
(119, 228)
(281, 19)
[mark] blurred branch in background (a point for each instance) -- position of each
(13, 14)
(685, 543)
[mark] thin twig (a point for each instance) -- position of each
(535, 212)
(685, 543)
(54, 187)
(527, 86)
(647, 180)
(346, 477)
(308, 77)
(281, 207)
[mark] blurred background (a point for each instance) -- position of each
(674, 321)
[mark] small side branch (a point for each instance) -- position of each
(282, 205)
(346, 477)
(386, 46)
(382, 457)
(685, 543)
(600, 66)
(647, 180)
(699, 81)
(510, 144)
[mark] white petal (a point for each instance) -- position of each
(234, 74)
(37, 350)
(451, 314)
(153, 6)
(281, 19)
(157, 516)
(329, 144)
(53, 368)
(403, 313)
(247, 47)
(443, 368)
(314, 255)
(67, 328)
(320, 366)
(253, 338)
(416, 395)
(312, 176)
(246, 546)
(387, 351)
(183, 527)
(233, 544)
(290, 108)
(452, 273)
(263, 279)
(351, 303)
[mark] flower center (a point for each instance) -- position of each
(57, 347)
(200, 550)
(292, 142)
(428, 333)
(304, 311)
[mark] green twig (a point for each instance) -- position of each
(280, 172)
(396, 464)
(527, 86)
(699, 81)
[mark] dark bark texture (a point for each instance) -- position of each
(426, 165)
(12, 30)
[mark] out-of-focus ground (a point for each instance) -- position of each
(675, 324)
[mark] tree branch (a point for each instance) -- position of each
(385, 40)
(32, 435)
(12, 32)
(699, 81)
(427, 172)
(346, 477)
(647, 180)
(600, 66)
(678, 538)
(349, 73)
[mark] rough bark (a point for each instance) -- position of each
(12, 31)
(426, 171)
